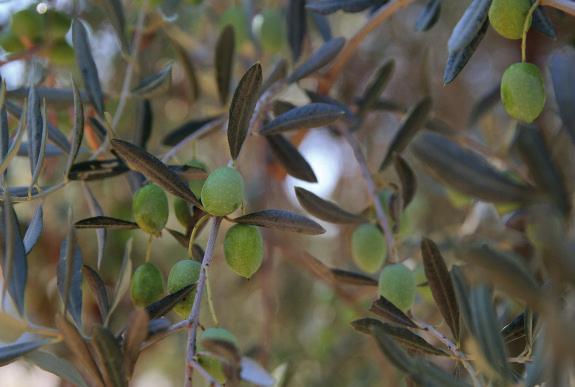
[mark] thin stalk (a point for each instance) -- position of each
(526, 26)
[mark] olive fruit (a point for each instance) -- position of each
(27, 23)
(61, 53)
(181, 207)
(147, 284)
(219, 334)
(244, 249)
(10, 42)
(368, 247)
(212, 364)
(397, 284)
(183, 273)
(150, 208)
(523, 91)
(508, 17)
(223, 191)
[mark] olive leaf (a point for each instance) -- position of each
(440, 283)
(345, 277)
(105, 222)
(97, 169)
(12, 151)
(96, 210)
(77, 129)
(278, 72)
(457, 59)
(35, 124)
(189, 69)
(515, 330)
(312, 115)
(321, 23)
(281, 220)
(115, 12)
(122, 281)
(242, 107)
(414, 120)
(164, 305)
(155, 83)
(407, 179)
(14, 262)
(144, 123)
(485, 103)
(76, 344)
(541, 22)
(198, 126)
(56, 365)
(325, 210)
(461, 291)
(561, 63)
(321, 57)
(41, 155)
(224, 61)
(87, 67)
(467, 171)
(98, 289)
(25, 344)
(136, 333)
(326, 7)
(34, 230)
(429, 16)
(376, 86)
(385, 308)
(108, 356)
(141, 161)
(469, 25)
(296, 26)
(290, 158)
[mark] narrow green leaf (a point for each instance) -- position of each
(57, 366)
(224, 61)
(344, 277)
(164, 305)
(376, 87)
(440, 283)
(469, 25)
(87, 66)
(290, 158)
(461, 290)
(385, 308)
(96, 210)
(135, 335)
(69, 275)
(427, 373)
(296, 22)
(34, 230)
(108, 356)
(98, 290)
(429, 16)
(321, 57)
(34, 125)
(123, 280)
(413, 121)
(175, 136)
(467, 171)
(407, 179)
(278, 73)
(106, 222)
(457, 59)
(312, 115)
(25, 344)
(16, 142)
(242, 107)
(42, 147)
(281, 220)
(97, 169)
(155, 83)
(325, 210)
(77, 129)
(141, 161)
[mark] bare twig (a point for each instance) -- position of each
(198, 133)
(372, 191)
(563, 5)
(193, 319)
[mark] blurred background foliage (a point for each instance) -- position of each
(283, 316)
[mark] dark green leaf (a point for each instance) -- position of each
(281, 220)
(376, 87)
(461, 290)
(224, 61)
(175, 136)
(440, 284)
(321, 23)
(320, 98)
(457, 60)
(87, 66)
(179, 237)
(69, 276)
(148, 165)
(115, 12)
(504, 270)
(561, 64)
(108, 356)
(407, 179)
(412, 122)
(106, 222)
(163, 306)
(11, 152)
(429, 16)
(35, 123)
(98, 290)
(469, 25)
(486, 330)
(96, 210)
(144, 123)
(25, 344)
(242, 107)
(330, 6)
(290, 158)
(280, 107)
(14, 263)
(57, 366)
(296, 26)
(545, 173)
(321, 57)
(135, 335)
(467, 171)
(42, 148)
(312, 115)
(541, 22)
(76, 344)
(155, 83)
(344, 277)
(77, 130)
(97, 169)
(385, 308)
(325, 210)
(34, 230)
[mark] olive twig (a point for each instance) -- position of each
(195, 230)
(193, 319)
(526, 26)
(149, 247)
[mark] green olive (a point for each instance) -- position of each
(181, 207)
(223, 191)
(219, 334)
(147, 284)
(244, 249)
(213, 366)
(368, 248)
(397, 284)
(507, 17)
(150, 208)
(11, 42)
(183, 273)
(27, 23)
(523, 91)
(61, 53)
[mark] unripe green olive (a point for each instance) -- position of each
(213, 366)
(183, 273)
(368, 248)
(11, 42)
(147, 284)
(150, 208)
(61, 53)
(27, 23)
(507, 17)
(523, 91)
(181, 207)
(244, 249)
(223, 191)
(397, 284)
(219, 334)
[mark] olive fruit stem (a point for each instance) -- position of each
(566, 6)
(193, 319)
(211, 300)
(526, 26)
(372, 191)
(149, 248)
(197, 227)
